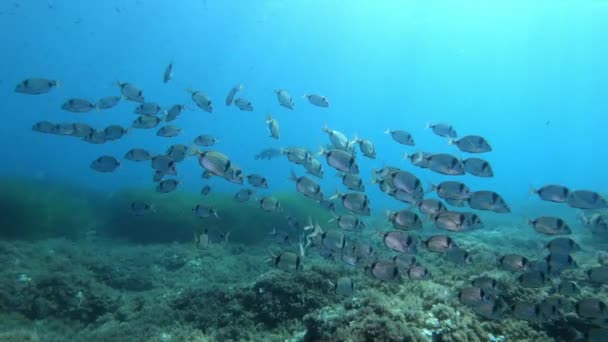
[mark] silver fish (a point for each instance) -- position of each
(451, 220)
(513, 262)
(167, 185)
(431, 207)
(82, 130)
(488, 284)
(419, 159)
(115, 132)
(148, 108)
(552, 193)
(243, 104)
(168, 131)
(164, 164)
(168, 74)
(215, 162)
(270, 204)
(352, 182)
(488, 200)
(344, 286)
(418, 272)
(404, 261)
(307, 187)
(179, 152)
(340, 160)
(348, 222)
(65, 129)
(78, 106)
(284, 98)
(526, 311)
(139, 208)
(452, 190)
(459, 256)
(205, 140)
(533, 279)
(317, 100)
(549, 225)
(138, 154)
(243, 195)
(174, 112)
(400, 241)
(445, 164)
(314, 167)
(478, 167)
(443, 130)
(367, 147)
(36, 86)
(440, 243)
(203, 211)
(591, 308)
(402, 137)
(333, 240)
(568, 288)
(257, 181)
(287, 261)
(202, 100)
(598, 275)
(338, 139)
(95, 137)
(105, 164)
(384, 270)
(562, 245)
(45, 127)
(404, 219)
(232, 93)
(297, 155)
(205, 190)
(355, 202)
(406, 181)
(273, 126)
(107, 102)
(473, 296)
(472, 144)
(585, 199)
(131, 92)
(146, 122)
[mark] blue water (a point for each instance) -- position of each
(531, 78)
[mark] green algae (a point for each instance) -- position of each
(37, 210)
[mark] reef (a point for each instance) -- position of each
(87, 269)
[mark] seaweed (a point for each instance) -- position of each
(37, 210)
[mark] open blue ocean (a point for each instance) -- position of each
(304, 170)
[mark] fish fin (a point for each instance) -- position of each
(293, 176)
(336, 195)
(322, 151)
(451, 141)
(310, 225)
(192, 150)
(429, 125)
(388, 131)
